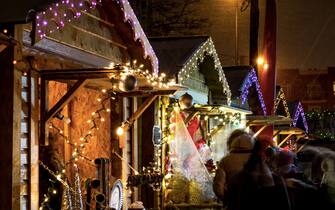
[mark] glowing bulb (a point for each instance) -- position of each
(102, 119)
(58, 177)
(266, 66)
(108, 110)
(104, 90)
(54, 191)
(14, 62)
(119, 131)
(260, 60)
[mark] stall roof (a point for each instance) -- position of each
(260, 120)
(287, 130)
(215, 110)
(180, 56)
(241, 79)
(236, 76)
(116, 13)
(109, 78)
(281, 99)
(174, 52)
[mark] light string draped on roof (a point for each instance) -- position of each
(300, 112)
(248, 82)
(130, 16)
(192, 65)
(281, 98)
(56, 15)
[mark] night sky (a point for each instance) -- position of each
(306, 29)
(306, 32)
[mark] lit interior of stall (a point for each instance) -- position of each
(195, 136)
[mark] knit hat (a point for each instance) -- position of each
(242, 143)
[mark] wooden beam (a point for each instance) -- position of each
(260, 130)
(276, 133)
(75, 74)
(145, 93)
(98, 19)
(10, 110)
(190, 117)
(65, 99)
(43, 111)
(99, 37)
(140, 111)
(284, 140)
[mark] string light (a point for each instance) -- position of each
(192, 65)
(300, 112)
(281, 98)
(79, 150)
(248, 82)
(227, 117)
(51, 190)
(119, 131)
(50, 20)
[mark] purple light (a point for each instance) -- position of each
(300, 112)
(77, 6)
(249, 81)
(45, 22)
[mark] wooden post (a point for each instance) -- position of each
(284, 140)
(254, 25)
(34, 145)
(43, 111)
(10, 108)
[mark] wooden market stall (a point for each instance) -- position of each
(216, 118)
(84, 73)
(290, 135)
(193, 63)
(246, 90)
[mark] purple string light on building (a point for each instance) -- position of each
(77, 6)
(300, 112)
(250, 80)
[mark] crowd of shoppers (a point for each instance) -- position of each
(257, 175)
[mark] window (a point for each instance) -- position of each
(334, 88)
(314, 91)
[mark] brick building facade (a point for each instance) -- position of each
(313, 87)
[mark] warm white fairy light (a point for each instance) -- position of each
(192, 65)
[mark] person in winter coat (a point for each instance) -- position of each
(240, 144)
(256, 187)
